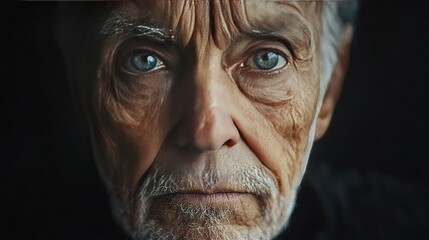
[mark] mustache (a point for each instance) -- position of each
(241, 178)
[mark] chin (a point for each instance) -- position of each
(178, 217)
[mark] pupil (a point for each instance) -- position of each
(144, 62)
(266, 60)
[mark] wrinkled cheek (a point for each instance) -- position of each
(294, 134)
(127, 149)
(278, 136)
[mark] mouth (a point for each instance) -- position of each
(214, 196)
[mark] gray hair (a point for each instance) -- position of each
(335, 17)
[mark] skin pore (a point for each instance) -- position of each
(204, 113)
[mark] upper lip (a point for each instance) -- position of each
(208, 191)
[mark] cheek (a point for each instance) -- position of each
(127, 139)
(278, 133)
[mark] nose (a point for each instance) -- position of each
(208, 130)
(207, 124)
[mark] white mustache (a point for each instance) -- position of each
(242, 179)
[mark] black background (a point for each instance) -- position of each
(371, 167)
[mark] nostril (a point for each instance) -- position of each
(230, 143)
(207, 129)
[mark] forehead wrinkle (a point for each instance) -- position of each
(203, 22)
(117, 24)
(201, 34)
(228, 20)
(190, 23)
(218, 22)
(181, 21)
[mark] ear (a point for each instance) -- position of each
(334, 88)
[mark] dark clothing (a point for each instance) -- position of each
(358, 205)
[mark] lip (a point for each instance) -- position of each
(214, 196)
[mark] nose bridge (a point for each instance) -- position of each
(207, 87)
(207, 76)
(207, 123)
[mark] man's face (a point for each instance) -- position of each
(205, 114)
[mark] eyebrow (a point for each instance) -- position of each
(260, 33)
(116, 24)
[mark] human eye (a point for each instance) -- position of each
(266, 60)
(140, 70)
(143, 61)
(263, 74)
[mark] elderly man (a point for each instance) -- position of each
(203, 113)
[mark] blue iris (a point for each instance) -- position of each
(266, 60)
(143, 61)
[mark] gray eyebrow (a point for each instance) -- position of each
(116, 24)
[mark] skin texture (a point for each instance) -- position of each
(207, 145)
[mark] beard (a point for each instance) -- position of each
(247, 203)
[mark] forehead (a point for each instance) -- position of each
(222, 21)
